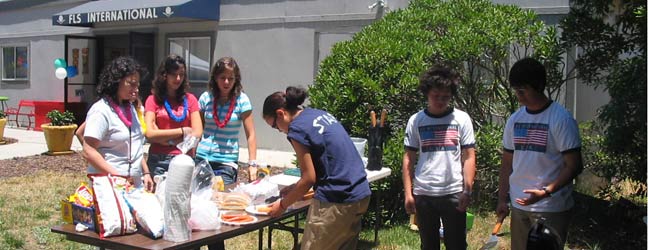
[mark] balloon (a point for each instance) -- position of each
(60, 73)
(71, 71)
(59, 63)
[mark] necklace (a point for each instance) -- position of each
(167, 106)
(228, 116)
(127, 119)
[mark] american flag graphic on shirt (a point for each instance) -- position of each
(531, 136)
(439, 137)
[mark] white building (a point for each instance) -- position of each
(277, 43)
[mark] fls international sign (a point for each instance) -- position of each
(114, 16)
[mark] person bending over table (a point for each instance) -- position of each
(113, 137)
(328, 163)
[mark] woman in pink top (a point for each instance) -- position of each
(171, 113)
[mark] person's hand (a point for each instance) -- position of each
(464, 201)
(535, 195)
(149, 185)
(502, 209)
(410, 204)
(277, 209)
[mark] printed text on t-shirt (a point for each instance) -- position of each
(322, 121)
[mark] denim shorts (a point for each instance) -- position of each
(158, 163)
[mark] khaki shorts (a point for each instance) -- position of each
(333, 225)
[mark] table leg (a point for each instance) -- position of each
(270, 237)
(261, 239)
(295, 232)
(378, 217)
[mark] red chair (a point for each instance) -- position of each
(25, 108)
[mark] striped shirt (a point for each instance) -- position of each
(221, 144)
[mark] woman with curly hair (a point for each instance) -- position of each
(224, 108)
(171, 113)
(113, 135)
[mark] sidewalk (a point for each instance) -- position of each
(32, 142)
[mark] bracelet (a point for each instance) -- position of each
(546, 191)
(182, 131)
(145, 173)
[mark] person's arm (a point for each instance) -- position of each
(307, 180)
(196, 124)
(250, 134)
(149, 185)
(94, 158)
(503, 193)
(572, 166)
(409, 157)
(79, 133)
(469, 169)
(161, 136)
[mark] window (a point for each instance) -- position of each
(15, 63)
(197, 52)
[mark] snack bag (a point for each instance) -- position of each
(147, 211)
(82, 196)
(114, 216)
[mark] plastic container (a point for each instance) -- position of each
(470, 218)
(360, 144)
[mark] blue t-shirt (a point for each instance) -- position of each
(339, 170)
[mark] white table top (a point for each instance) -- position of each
(287, 180)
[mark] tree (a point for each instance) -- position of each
(612, 37)
(380, 66)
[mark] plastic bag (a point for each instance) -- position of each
(202, 176)
(204, 212)
(259, 191)
(177, 198)
(188, 142)
(147, 211)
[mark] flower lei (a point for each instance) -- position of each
(167, 106)
(228, 116)
(127, 119)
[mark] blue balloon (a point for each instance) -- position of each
(71, 71)
(60, 63)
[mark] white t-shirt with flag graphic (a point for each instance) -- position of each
(537, 141)
(439, 141)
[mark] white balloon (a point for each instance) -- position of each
(60, 73)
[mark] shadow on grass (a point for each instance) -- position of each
(600, 224)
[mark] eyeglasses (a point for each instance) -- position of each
(274, 124)
(173, 75)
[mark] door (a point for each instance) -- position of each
(142, 48)
(81, 81)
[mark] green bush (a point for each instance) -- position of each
(489, 161)
(60, 119)
(379, 68)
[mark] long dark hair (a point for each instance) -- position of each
(225, 63)
(290, 100)
(112, 74)
(172, 63)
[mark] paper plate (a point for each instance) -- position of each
(252, 209)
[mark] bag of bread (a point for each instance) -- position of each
(232, 201)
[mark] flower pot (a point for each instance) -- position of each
(59, 138)
(3, 123)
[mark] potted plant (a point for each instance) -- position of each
(59, 132)
(3, 123)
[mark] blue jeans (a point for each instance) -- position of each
(429, 209)
(227, 172)
(158, 163)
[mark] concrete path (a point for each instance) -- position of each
(32, 142)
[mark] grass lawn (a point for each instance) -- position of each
(29, 206)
